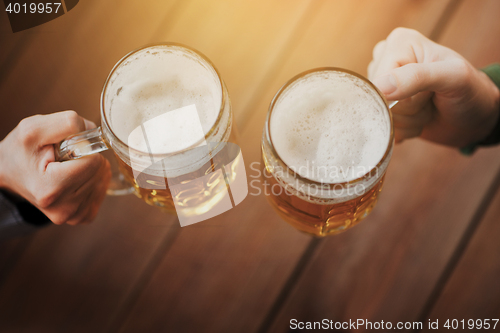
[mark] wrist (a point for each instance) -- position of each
(4, 178)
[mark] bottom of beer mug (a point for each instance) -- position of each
(318, 219)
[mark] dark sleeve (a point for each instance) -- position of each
(18, 217)
(493, 72)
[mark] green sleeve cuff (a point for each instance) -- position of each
(493, 72)
(468, 150)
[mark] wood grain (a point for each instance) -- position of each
(134, 269)
(244, 39)
(473, 291)
(118, 245)
(474, 31)
(73, 279)
(223, 275)
(387, 269)
(66, 64)
(10, 252)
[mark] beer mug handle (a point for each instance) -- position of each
(391, 104)
(88, 143)
(81, 144)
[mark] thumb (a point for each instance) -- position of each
(408, 80)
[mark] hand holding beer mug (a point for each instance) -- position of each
(167, 117)
(326, 145)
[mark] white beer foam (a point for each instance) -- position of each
(160, 135)
(156, 81)
(330, 127)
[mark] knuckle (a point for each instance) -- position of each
(397, 33)
(58, 221)
(378, 48)
(73, 121)
(45, 198)
(417, 74)
(462, 68)
(73, 222)
(28, 128)
(370, 70)
(59, 218)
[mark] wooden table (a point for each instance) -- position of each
(429, 250)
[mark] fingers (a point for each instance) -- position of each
(66, 192)
(407, 63)
(410, 116)
(414, 105)
(81, 205)
(444, 77)
(402, 46)
(82, 216)
(75, 171)
(93, 195)
(378, 52)
(53, 128)
(60, 180)
(379, 49)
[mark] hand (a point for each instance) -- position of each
(442, 97)
(68, 192)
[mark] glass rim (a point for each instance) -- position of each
(308, 181)
(204, 58)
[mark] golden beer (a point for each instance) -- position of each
(326, 145)
(167, 117)
(172, 164)
(205, 190)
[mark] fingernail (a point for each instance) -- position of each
(387, 84)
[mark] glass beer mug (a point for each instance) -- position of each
(327, 141)
(166, 115)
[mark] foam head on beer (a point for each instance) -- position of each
(161, 86)
(330, 127)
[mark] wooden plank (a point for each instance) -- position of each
(244, 39)
(72, 279)
(12, 44)
(66, 64)
(121, 27)
(474, 31)
(223, 275)
(104, 260)
(15, 46)
(9, 42)
(129, 256)
(473, 291)
(220, 30)
(387, 269)
(10, 251)
(42, 56)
